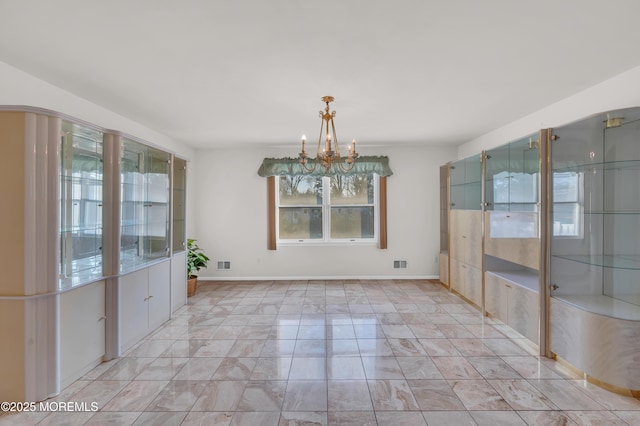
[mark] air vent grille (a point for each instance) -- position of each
(223, 265)
(399, 264)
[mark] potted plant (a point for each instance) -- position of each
(196, 259)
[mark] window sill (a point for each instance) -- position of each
(310, 243)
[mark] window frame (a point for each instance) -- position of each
(326, 208)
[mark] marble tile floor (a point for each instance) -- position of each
(358, 352)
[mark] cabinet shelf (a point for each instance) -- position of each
(627, 165)
(631, 262)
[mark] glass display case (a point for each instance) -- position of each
(144, 233)
(179, 189)
(466, 184)
(512, 176)
(595, 219)
(81, 195)
(594, 245)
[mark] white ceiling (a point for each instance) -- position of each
(218, 73)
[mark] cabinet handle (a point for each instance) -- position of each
(102, 318)
(553, 287)
(146, 298)
(150, 297)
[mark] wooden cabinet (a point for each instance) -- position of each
(466, 254)
(512, 303)
(144, 301)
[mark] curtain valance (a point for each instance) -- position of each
(292, 166)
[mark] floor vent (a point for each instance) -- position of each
(223, 264)
(399, 264)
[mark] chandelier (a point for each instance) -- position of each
(326, 155)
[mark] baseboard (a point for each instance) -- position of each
(308, 278)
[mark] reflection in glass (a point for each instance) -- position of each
(81, 182)
(595, 249)
(144, 233)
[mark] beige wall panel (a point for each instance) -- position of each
(12, 134)
(12, 353)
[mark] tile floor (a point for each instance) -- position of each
(334, 353)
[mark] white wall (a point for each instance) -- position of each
(230, 222)
(621, 91)
(20, 88)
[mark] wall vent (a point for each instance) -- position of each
(223, 265)
(399, 264)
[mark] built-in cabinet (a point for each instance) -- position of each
(82, 331)
(465, 229)
(559, 241)
(93, 247)
(145, 302)
(594, 246)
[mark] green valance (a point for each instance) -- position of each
(291, 166)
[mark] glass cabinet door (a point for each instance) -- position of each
(179, 204)
(144, 234)
(456, 182)
(595, 249)
(512, 184)
(81, 193)
(473, 183)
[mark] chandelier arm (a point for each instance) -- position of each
(335, 138)
(307, 169)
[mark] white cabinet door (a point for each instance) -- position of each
(134, 308)
(159, 296)
(82, 331)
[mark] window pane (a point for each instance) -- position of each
(353, 189)
(352, 222)
(300, 223)
(300, 190)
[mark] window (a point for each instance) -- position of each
(327, 209)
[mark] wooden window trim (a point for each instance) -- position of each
(271, 213)
(382, 188)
